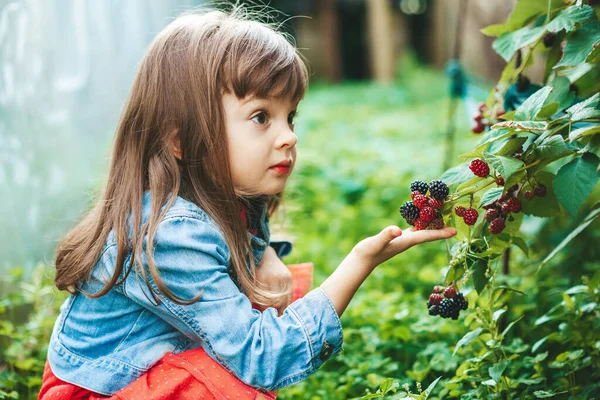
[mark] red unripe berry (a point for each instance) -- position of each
(460, 211)
(514, 204)
(435, 299)
(499, 181)
(421, 200)
(435, 203)
(505, 209)
(528, 195)
(427, 214)
(478, 128)
(478, 118)
(479, 168)
(420, 224)
(437, 223)
(482, 107)
(470, 216)
(497, 226)
(413, 194)
(540, 191)
(500, 113)
(438, 289)
(491, 214)
(450, 292)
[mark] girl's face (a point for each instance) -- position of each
(262, 143)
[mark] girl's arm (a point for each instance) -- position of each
(343, 283)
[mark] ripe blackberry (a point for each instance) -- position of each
(427, 214)
(455, 312)
(460, 211)
(491, 214)
(479, 168)
(497, 226)
(529, 194)
(420, 224)
(435, 203)
(421, 201)
(522, 83)
(471, 216)
(549, 39)
(409, 212)
(419, 186)
(438, 189)
(450, 292)
(540, 191)
(514, 204)
(446, 308)
(437, 223)
(434, 310)
(435, 298)
(461, 301)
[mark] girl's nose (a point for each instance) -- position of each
(287, 138)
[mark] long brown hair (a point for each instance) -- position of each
(178, 88)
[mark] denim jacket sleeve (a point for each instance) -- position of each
(261, 349)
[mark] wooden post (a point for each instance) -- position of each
(330, 36)
(381, 40)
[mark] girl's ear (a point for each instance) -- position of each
(175, 143)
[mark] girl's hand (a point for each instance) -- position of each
(276, 277)
(392, 241)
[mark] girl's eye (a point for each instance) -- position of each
(260, 118)
(291, 117)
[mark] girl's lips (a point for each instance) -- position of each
(281, 169)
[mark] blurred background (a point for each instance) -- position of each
(384, 108)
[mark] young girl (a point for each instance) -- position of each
(165, 270)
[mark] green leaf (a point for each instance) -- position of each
(509, 327)
(552, 148)
(497, 314)
(457, 175)
(506, 166)
(531, 107)
(586, 131)
(431, 387)
(546, 206)
(574, 73)
(580, 45)
(568, 18)
(497, 370)
(479, 268)
(510, 147)
(548, 111)
(491, 196)
(575, 181)
(521, 244)
(523, 12)
(522, 125)
(508, 43)
(468, 338)
(587, 221)
(585, 109)
(561, 92)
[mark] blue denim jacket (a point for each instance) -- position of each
(104, 344)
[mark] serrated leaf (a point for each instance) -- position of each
(522, 125)
(586, 131)
(587, 221)
(567, 19)
(510, 147)
(574, 73)
(468, 338)
(505, 166)
(561, 92)
(508, 43)
(590, 102)
(479, 279)
(575, 181)
(546, 206)
(531, 107)
(521, 244)
(552, 148)
(580, 45)
(457, 175)
(497, 370)
(523, 12)
(491, 196)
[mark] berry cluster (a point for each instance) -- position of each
(423, 211)
(499, 211)
(469, 215)
(539, 191)
(449, 305)
(483, 119)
